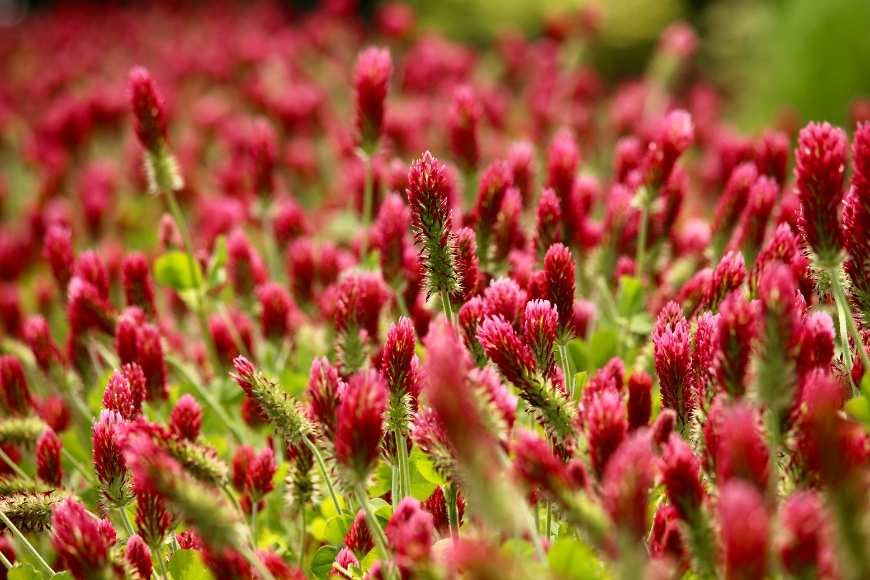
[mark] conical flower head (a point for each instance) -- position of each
(16, 394)
(856, 223)
(745, 531)
(410, 533)
(462, 121)
(428, 197)
(627, 482)
(148, 109)
(374, 66)
(48, 467)
(681, 473)
(536, 464)
(559, 271)
(360, 424)
(325, 388)
(821, 156)
(804, 550)
(397, 356)
(185, 421)
(738, 329)
(139, 556)
(81, 539)
(672, 361)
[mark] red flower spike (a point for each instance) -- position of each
(468, 265)
(503, 297)
(289, 222)
(358, 537)
(728, 275)
(397, 356)
(370, 82)
(389, 236)
(301, 269)
(462, 122)
(815, 342)
(138, 556)
(82, 541)
(606, 427)
(150, 358)
(54, 411)
(665, 539)
(627, 482)
(521, 159)
(470, 316)
(856, 223)
(278, 312)
(681, 473)
(57, 247)
(514, 359)
(664, 426)
(540, 324)
(241, 466)
(108, 448)
(359, 424)
(127, 334)
(821, 157)
(16, 395)
(733, 201)
(148, 110)
(410, 533)
(548, 230)
(185, 421)
(361, 296)
(771, 155)
(738, 328)
(745, 531)
(536, 465)
(639, 400)
(86, 309)
(494, 183)
(346, 559)
(559, 271)
(37, 335)
(674, 136)
(152, 518)
(325, 388)
(263, 150)
(741, 452)
(805, 550)
(563, 158)
(672, 361)
(260, 473)
(121, 396)
(752, 225)
(245, 268)
(48, 467)
(138, 286)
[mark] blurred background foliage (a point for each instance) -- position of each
(806, 58)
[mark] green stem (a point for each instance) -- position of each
(562, 349)
(404, 469)
(26, 543)
(128, 527)
(14, 466)
(844, 313)
(321, 465)
(447, 306)
(5, 561)
(175, 210)
(79, 467)
(375, 528)
(158, 555)
(254, 523)
(451, 498)
(302, 537)
(640, 252)
(549, 528)
(368, 201)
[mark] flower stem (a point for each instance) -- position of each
(847, 321)
(158, 555)
(404, 469)
(375, 527)
(5, 561)
(323, 472)
(368, 201)
(640, 252)
(128, 527)
(447, 306)
(451, 498)
(14, 466)
(26, 543)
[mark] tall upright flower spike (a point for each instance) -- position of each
(673, 363)
(149, 118)
(87, 309)
(82, 541)
(745, 531)
(139, 556)
(360, 425)
(563, 158)
(152, 361)
(371, 79)
(109, 464)
(468, 265)
(245, 268)
(780, 313)
(390, 237)
(263, 151)
(639, 405)
(37, 335)
(462, 121)
(185, 421)
(816, 342)
(741, 452)
(627, 482)
(494, 183)
(286, 415)
(521, 158)
(358, 538)
(470, 316)
(750, 229)
(125, 392)
(138, 286)
(153, 520)
(516, 363)
(410, 533)
(504, 297)
(16, 395)
(674, 136)
(48, 467)
(805, 550)
(540, 324)
(57, 248)
(606, 427)
(728, 275)
(428, 198)
(681, 473)
(559, 272)
(771, 155)
(360, 298)
(856, 224)
(324, 392)
(732, 203)
(738, 328)
(821, 157)
(548, 229)
(278, 313)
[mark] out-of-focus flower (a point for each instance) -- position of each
(745, 531)
(360, 424)
(370, 82)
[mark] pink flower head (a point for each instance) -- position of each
(468, 264)
(745, 531)
(347, 560)
(494, 183)
(781, 305)
(81, 539)
(325, 388)
(741, 451)
(361, 296)
(821, 157)
(513, 358)
(639, 404)
(57, 247)
(536, 464)
(540, 324)
(503, 297)
(152, 518)
(521, 158)
(374, 66)
(805, 549)
(37, 334)
(185, 421)
(627, 482)
(462, 121)
(263, 150)
(108, 445)
(301, 269)
(16, 395)
(674, 136)
(738, 328)
(410, 533)
(548, 230)
(138, 555)
(87, 309)
(856, 222)
(665, 537)
(360, 424)
(728, 275)
(390, 236)
(278, 312)
(771, 155)
(260, 473)
(672, 361)
(606, 427)
(681, 473)
(358, 537)
(149, 113)
(752, 224)
(559, 270)
(150, 358)
(125, 392)
(245, 268)
(705, 357)
(48, 467)
(397, 356)
(138, 286)
(815, 342)
(733, 201)
(563, 158)
(127, 334)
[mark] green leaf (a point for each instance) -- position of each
(426, 468)
(25, 572)
(322, 561)
(216, 274)
(859, 408)
(590, 355)
(571, 559)
(188, 565)
(629, 298)
(173, 269)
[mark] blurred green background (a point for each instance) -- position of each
(808, 57)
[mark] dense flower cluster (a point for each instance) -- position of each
(401, 308)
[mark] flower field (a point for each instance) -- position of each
(306, 295)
